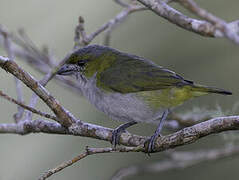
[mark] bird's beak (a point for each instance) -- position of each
(66, 69)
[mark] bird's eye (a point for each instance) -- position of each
(80, 63)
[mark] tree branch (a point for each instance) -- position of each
(182, 137)
(67, 124)
(200, 27)
(216, 21)
(36, 126)
(64, 117)
(88, 151)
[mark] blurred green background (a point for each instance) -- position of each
(208, 61)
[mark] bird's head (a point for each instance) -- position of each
(88, 60)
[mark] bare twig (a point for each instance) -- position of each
(113, 23)
(86, 39)
(28, 45)
(178, 160)
(81, 38)
(63, 166)
(21, 49)
(119, 18)
(43, 82)
(25, 42)
(28, 107)
(122, 3)
(34, 98)
(88, 151)
(65, 118)
(8, 48)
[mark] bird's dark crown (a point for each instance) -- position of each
(90, 52)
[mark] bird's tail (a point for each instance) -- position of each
(201, 90)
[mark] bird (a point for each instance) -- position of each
(130, 88)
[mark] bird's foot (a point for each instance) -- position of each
(116, 136)
(149, 143)
(118, 131)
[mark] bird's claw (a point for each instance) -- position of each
(116, 136)
(149, 144)
(118, 131)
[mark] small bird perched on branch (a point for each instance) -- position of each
(130, 88)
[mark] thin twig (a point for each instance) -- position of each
(25, 41)
(22, 50)
(63, 166)
(86, 39)
(122, 3)
(28, 107)
(119, 18)
(8, 47)
(65, 118)
(88, 151)
(77, 34)
(34, 97)
(44, 82)
(81, 39)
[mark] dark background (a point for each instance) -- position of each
(208, 61)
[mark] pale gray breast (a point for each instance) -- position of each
(123, 107)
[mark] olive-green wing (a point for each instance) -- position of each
(134, 74)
